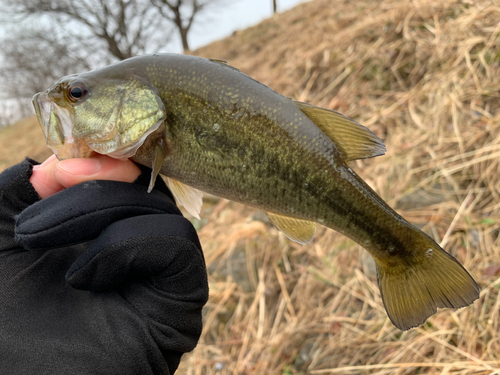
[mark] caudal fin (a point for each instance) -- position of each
(412, 292)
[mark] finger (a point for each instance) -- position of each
(162, 247)
(74, 171)
(81, 212)
(43, 179)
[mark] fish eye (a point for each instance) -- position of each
(77, 91)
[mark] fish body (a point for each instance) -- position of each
(206, 125)
(283, 163)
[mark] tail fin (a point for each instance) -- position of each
(412, 292)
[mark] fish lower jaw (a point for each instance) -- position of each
(70, 150)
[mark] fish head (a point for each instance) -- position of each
(86, 113)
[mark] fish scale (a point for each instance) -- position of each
(207, 126)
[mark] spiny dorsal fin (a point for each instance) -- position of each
(224, 63)
(190, 198)
(353, 140)
(300, 231)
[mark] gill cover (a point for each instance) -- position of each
(114, 118)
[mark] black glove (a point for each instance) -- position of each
(100, 278)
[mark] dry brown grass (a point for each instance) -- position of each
(24, 138)
(425, 76)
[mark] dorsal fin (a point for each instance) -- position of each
(224, 63)
(353, 140)
(301, 231)
(189, 197)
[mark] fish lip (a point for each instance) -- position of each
(42, 114)
(49, 115)
(34, 101)
(57, 125)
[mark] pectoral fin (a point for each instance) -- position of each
(160, 153)
(353, 140)
(190, 198)
(300, 231)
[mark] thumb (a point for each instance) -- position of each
(53, 176)
(70, 172)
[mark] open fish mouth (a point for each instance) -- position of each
(57, 126)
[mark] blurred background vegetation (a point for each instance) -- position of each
(43, 40)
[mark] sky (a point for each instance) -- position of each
(213, 25)
(223, 21)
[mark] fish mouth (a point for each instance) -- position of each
(57, 126)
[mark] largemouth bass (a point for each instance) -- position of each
(207, 126)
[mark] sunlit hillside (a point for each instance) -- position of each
(425, 77)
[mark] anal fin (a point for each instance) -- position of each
(301, 231)
(189, 197)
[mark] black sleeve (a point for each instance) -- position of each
(16, 194)
(102, 278)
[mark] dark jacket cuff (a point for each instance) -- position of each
(16, 194)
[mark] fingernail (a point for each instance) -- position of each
(48, 161)
(81, 167)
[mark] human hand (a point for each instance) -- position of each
(53, 175)
(113, 283)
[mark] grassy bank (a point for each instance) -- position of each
(424, 76)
